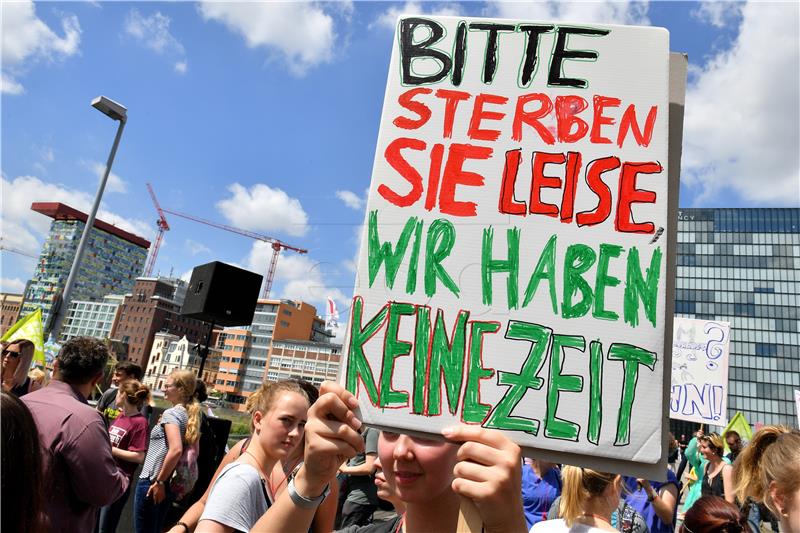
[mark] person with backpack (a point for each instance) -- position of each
(128, 435)
(178, 428)
(242, 492)
(656, 501)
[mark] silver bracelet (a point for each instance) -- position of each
(306, 503)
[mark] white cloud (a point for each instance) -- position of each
(351, 199)
(303, 34)
(153, 32)
(298, 277)
(114, 182)
(718, 14)
(262, 208)
(741, 124)
(26, 39)
(196, 248)
(602, 12)
(25, 229)
(12, 285)
(388, 18)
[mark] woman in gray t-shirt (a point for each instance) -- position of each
(241, 493)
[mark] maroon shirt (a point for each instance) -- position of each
(128, 433)
(80, 475)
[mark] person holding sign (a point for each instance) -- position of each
(430, 476)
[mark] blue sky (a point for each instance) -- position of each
(264, 116)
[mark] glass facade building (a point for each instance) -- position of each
(743, 266)
(112, 260)
(92, 319)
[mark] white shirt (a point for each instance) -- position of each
(559, 526)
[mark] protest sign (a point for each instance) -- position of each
(514, 267)
(699, 391)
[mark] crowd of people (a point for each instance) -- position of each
(310, 465)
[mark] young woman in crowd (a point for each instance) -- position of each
(386, 490)
(179, 425)
(768, 471)
(588, 500)
(17, 357)
(242, 491)
(712, 514)
(717, 474)
(128, 433)
(429, 475)
(323, 519)
(541, 485)
(21, 469)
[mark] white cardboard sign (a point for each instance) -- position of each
(513, 265)
(699, 391)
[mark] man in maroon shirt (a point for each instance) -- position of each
(79, 471)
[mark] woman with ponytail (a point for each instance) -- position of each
(588, 499)
(712, 514)
(768, 471)
(179, 426)
(128, 433)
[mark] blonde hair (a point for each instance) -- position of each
(135, 393)
(185, 381)
(39, 376)
(26, 351)
(262, 399)
(772, 455)
(580, 484)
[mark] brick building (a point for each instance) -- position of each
(11, 304)
(152, 307)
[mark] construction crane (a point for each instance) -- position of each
(275, 244)
(5, 248)
(162, 227)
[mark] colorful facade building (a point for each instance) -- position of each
(170, 353)
(111, 263)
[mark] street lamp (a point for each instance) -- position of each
(114, 111)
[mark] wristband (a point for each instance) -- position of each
(304, 502)
(184, 526)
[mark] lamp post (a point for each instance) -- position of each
(114, 111)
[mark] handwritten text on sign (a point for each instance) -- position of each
(511, 271)
(699, 390)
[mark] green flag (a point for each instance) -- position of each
(29, 327)
(740, 425)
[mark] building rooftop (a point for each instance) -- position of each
(59, 211)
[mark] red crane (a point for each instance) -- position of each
(162, 227)
(276, 244)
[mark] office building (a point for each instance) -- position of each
(245, 351)
(313, 361)
(112, 260)
(150, 308)
(10, 304)
(90, 319)
(743, 266)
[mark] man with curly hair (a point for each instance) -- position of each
(79, 471)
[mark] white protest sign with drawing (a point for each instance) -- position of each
(513, 266)
(699, 391)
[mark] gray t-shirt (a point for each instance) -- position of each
(238, 497)
(362, 488)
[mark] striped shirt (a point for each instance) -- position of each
(154, 459)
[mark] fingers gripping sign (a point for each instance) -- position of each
(331, 433)
(488, 473)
